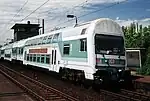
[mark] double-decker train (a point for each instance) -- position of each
(90, 52)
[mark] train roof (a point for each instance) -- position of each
(20, 43)
(7, 46)
(102, 25)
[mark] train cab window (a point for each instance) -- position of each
(83, 45)
(42, 58)
(47, 59)
(34, 58)
(38, 58)
(66, 49)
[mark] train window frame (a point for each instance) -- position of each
(55, 57)
(66, 46)
(49, 39)
(42, 59)
(47, 59)
(38, 58)
(44, 40)
(27, 57)
(55, 38)
(40, 40)
(21, 50)
(83, 45)
(34, 57)
(2, 52)
(31, 57)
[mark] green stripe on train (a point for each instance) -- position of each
(74, 51)
(75, 59)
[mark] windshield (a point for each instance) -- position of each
(108, 44)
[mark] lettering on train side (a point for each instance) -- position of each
(42, 50)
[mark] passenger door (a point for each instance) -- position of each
(54, 59)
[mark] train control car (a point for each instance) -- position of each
(93, 51)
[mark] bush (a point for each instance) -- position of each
(145, 69)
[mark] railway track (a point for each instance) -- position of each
(110, 96)
(38, 90)
(135, 95)
(142, 87)
(43, 92)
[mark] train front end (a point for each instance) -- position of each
(110, 55)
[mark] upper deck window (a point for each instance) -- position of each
(49, 39)
(44, 40)
(55, 38)
(40, 40)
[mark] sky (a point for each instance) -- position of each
(54, 13)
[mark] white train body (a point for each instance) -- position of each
(92, 48)
(8, 52)
(17, 50)
(3, 52)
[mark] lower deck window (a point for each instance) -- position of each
(8, 55)
(42, 59)
(28, 57)
(38, 59)
(31, 57)
(47, 59)
(34, 58)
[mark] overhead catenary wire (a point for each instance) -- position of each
(29, 14)
(116, 3)
(81, 4)
(14, 17)
(16, 14)
(35, 10)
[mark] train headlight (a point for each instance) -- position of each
(119, 70)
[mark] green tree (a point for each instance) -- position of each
(139, 37)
